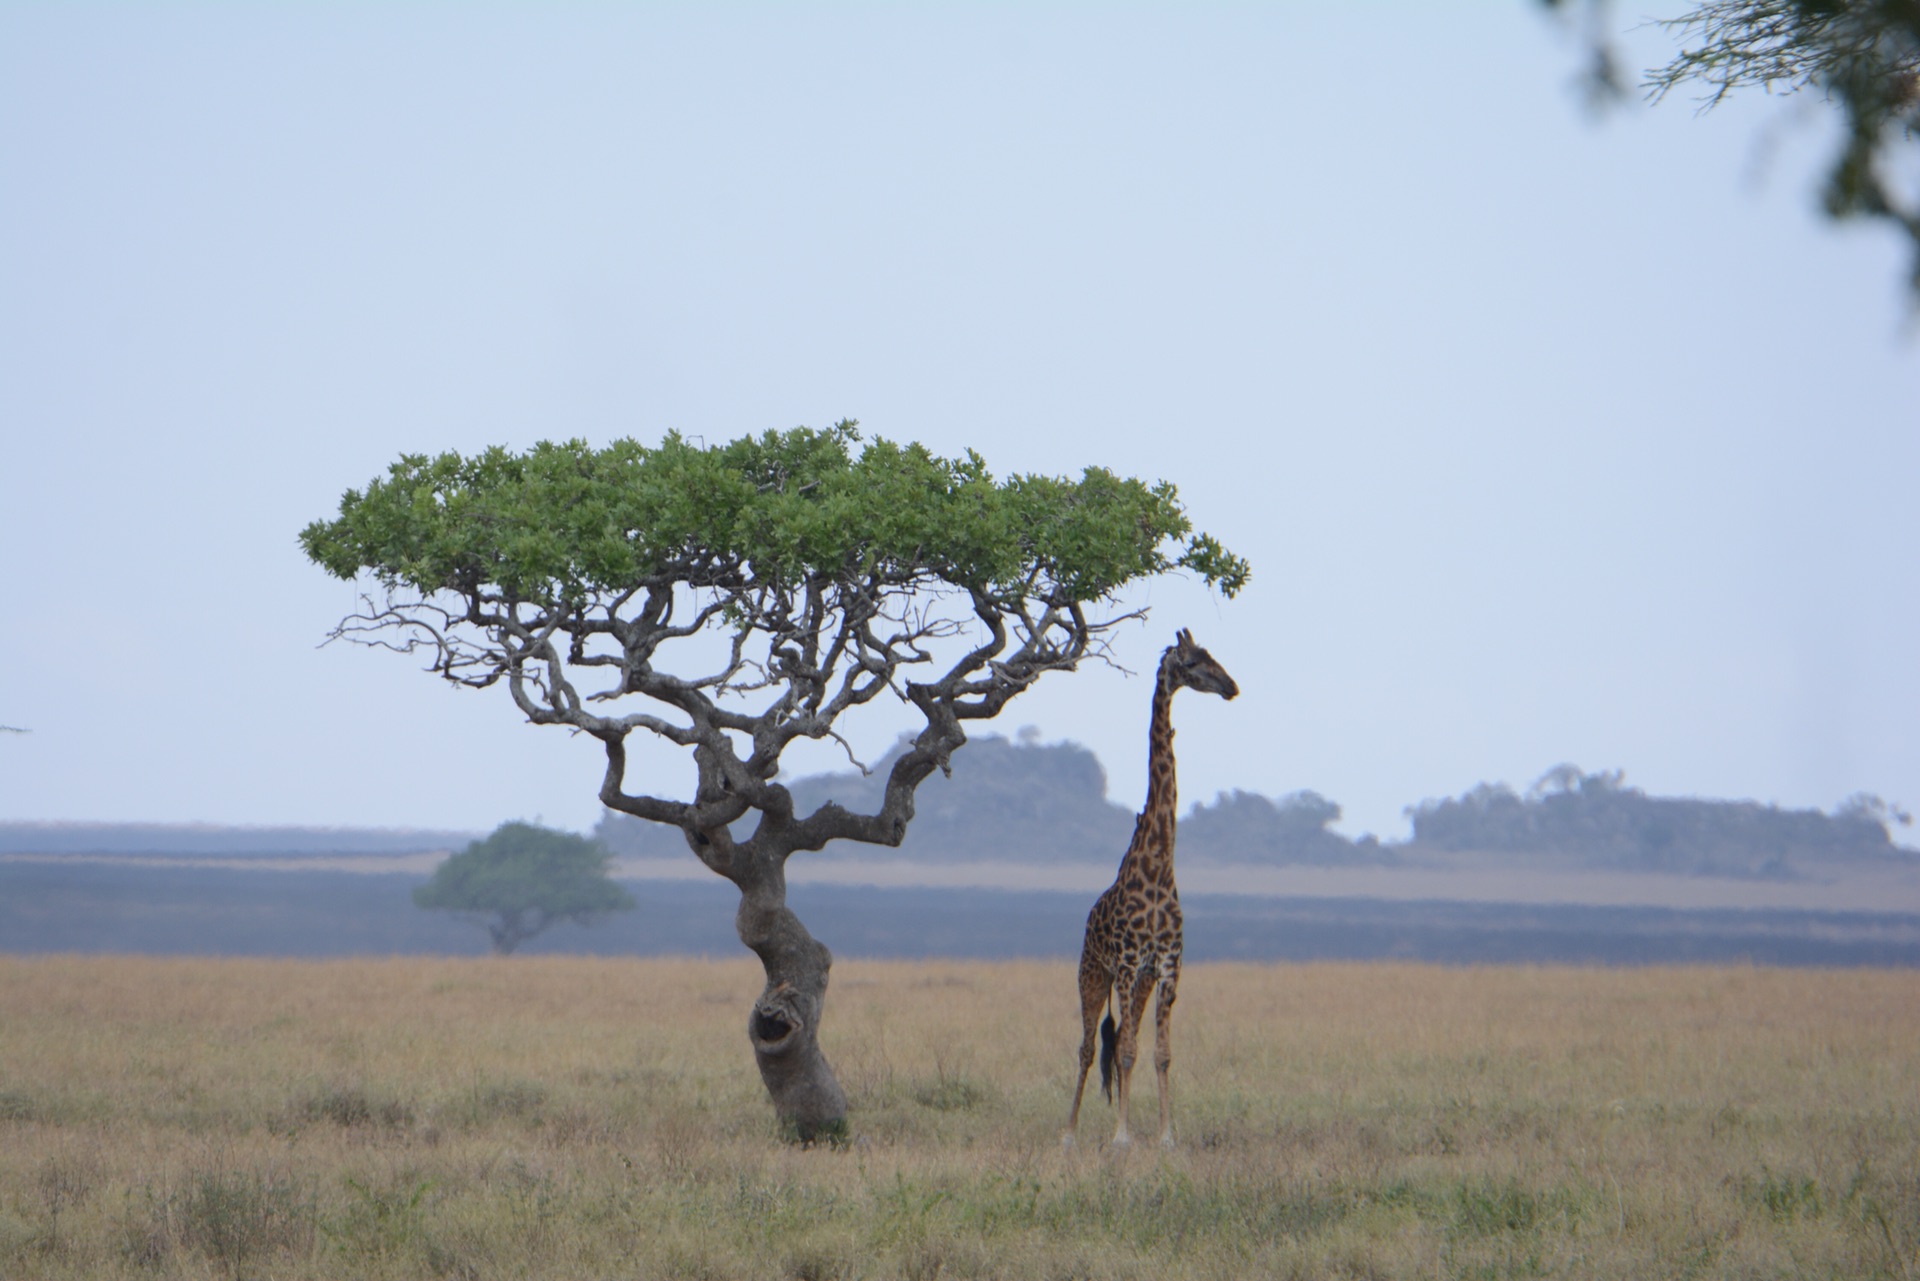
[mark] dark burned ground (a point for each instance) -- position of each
(47, 907)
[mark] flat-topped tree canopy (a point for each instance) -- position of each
(827, 568)
(804, 579)
(566, 522)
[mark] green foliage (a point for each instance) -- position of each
(1489, 1209)
(1862, 56)
(526, 878)
(1785, 1197)
(840, 569)
(521, 867)
(566, 521)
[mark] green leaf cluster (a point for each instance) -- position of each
(1861, 56)
(524, 868)
(566, 521)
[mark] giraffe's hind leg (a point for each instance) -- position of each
(1163, 1050)
(1132, 1012)
(1095, 983)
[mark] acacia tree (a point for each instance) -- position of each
(521, 879)
(807, 580)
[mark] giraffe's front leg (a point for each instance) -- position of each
(1163, 1051)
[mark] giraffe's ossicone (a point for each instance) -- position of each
(1133, 939)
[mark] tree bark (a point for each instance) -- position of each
(784, 1024)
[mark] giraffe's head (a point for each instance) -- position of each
(1185, 663)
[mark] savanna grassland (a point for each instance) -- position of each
(578, 1118)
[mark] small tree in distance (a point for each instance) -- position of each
(522, 879)
(734, 599)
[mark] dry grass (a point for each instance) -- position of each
(579, 1118)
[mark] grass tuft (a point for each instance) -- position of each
(381, 1222)
(18, 1105)
(351, 1106)
(951, 1094)
(231, 1218)
(490, 1102)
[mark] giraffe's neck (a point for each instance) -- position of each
(1153, 834)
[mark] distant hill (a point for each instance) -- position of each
(1043, 803)
(1009, 801)
(227, 842)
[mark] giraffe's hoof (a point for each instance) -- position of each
(1066, 1141)
(1123, 1140)
(1166, 1140)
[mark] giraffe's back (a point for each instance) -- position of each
(1135, 926)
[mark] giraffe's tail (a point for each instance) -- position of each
(1106, 1056)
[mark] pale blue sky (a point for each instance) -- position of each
(1549, 440)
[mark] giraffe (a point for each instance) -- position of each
(1133, 932)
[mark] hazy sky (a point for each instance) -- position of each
(1549, 440)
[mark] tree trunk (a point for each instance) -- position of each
(510, 928)
(785, 1022)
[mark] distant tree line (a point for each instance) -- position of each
(1246, 827)
(1595, 820)
(1045, 803)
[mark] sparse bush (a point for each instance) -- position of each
(948, 1093)
(489, 1101)
(815, 1264)
(381, 1222)
(950, 1089)
(18, 1105)
(350, 1106)
(1785, 1197)
(18, 1239)
(232, 1218)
